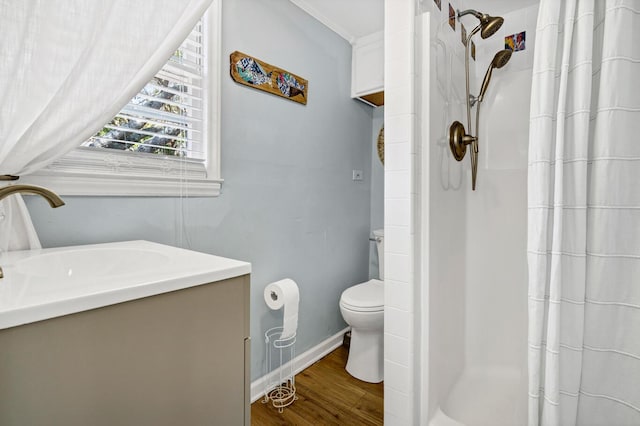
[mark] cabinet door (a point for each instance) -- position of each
(177, 358)
(367, 73)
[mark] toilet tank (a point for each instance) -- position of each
(379, 236)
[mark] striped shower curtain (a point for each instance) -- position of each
(584, 215)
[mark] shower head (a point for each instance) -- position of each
(499, 60)
(488, 24)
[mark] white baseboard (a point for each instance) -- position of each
(302, 361)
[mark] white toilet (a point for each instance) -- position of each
(362, 307)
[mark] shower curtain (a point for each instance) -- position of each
(584, 215)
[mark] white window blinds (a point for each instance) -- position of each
(166, 116)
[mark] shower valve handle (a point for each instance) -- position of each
(459, 139)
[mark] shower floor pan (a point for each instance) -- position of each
(488, 396)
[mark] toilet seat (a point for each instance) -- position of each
(365, 297)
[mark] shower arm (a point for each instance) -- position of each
(470, 12)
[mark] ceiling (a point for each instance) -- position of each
(353, 19)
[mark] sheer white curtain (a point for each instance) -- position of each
(66, 68)
(584, 215)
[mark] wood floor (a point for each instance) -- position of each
(327, 395)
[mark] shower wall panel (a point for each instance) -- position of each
(443, 101)
(496, 297)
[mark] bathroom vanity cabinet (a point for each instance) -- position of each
(176, 358)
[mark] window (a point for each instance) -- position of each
(165, 142)
(166, 116)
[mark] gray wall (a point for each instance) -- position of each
(377, 190)
(288, 203)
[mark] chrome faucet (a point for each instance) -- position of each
(51, 197)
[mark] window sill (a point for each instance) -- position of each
(91, 184)
(86, 172)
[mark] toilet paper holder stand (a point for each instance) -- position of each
(280, 383)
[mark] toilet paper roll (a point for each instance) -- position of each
(284, 293)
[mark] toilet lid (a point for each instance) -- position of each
(367, 296)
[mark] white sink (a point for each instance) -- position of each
(90, 263)
(46, 283)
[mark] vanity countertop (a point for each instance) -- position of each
(48, 283)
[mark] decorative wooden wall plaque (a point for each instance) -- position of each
(254, 73)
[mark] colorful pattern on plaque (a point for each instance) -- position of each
(288, 85)
(252, 72)
(463, 34)
(437, 2)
